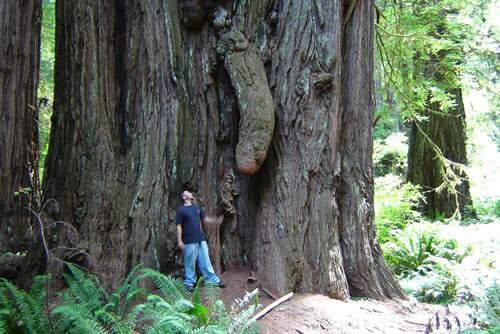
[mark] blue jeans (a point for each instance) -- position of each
(198, 251)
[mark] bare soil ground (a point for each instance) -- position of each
(312, 313)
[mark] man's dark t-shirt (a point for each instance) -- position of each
(190, 216)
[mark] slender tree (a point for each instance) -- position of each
(263, 108)
(19, 63)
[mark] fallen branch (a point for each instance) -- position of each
(268, 293)
(269, 308)
(415, 323)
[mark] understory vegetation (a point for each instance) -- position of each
(438, 259)
(84, 306)
(442, 261)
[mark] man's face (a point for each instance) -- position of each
(186, 195)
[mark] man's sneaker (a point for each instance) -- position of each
(221, 285)
(189, 288)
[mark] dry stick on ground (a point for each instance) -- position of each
(269, 308)
(268, 292)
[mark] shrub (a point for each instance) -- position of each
(435, 286)
(390, 155)
(487, 309)
(487, 207)
(395, 205)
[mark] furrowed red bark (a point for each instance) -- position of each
(20, 24)
(158, 110)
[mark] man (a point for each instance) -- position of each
(191, 241)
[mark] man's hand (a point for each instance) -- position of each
(179, 237)
(212, 220)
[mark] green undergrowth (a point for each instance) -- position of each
(84, 306)
(442, 262)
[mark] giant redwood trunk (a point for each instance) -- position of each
(20, 23)
(447, 132)
(262, 108)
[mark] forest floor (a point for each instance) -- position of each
(314, 313)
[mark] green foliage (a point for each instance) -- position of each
(425, 262)
(487, 308)
(390, 155)
(85, 307)
(421, 251)
(395, 206)
(487, 207)
(420, 49)
(436, 286)
(46, 83)
(23, 312)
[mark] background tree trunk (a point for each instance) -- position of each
(447, 131)
(444, 127)
(20, 23)
(146, 105)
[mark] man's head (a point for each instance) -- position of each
(187, 196)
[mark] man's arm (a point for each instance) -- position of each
(179, 236)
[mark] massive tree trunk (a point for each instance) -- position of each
(447, 132)
(20, 23)
(262, 108)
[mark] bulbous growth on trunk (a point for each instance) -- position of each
(255, 103)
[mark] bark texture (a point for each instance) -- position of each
(161, 108)
(447, 131)
(20, 23)
(366, 271)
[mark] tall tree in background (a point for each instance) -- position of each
(19, 63)
(437, 154)
(263, 108)
(421, 52)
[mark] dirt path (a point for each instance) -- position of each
(320, 314)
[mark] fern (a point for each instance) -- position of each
(3, 327)
(79, 319)
(172, 289)
(20, 310)
(83, 288)
(87, 308)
